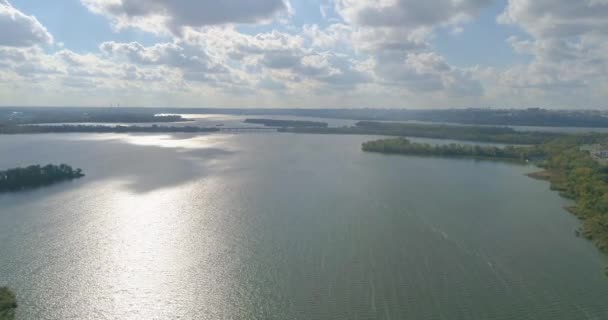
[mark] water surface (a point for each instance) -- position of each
(282, 226)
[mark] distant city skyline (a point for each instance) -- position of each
(305, 54)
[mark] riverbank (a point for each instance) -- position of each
(575, 175)
(540, 175)
(570, 169)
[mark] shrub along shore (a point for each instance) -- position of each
(8, 304)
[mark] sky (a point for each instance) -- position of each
(305, 53)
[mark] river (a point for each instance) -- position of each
(283, 226)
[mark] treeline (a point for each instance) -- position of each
(466, 133)
(36, 176)
(8, 304)
(288, 123)
(404, 146)
(509, 117)
(23, 129)
(74, 115)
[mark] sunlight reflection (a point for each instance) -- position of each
(170, 141)
(184, 141)
(152, 254)
(211, 116)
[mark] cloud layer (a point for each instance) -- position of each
(362, 54)
(19, 29)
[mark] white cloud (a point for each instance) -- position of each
(172, 54)
(282, 57)
(568, 44)
(558, 18)
(410, 14)
(428, 72)
(397, 33)
(175, 15)
(19, 29)
(336, 36)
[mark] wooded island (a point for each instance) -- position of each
(404, 146)
(437, 131)
(36, 176)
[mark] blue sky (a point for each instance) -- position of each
(78, 28)
(482, 41)
(313, 53)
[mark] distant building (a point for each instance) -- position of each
(597, 151)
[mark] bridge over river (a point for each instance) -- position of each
(247, 129)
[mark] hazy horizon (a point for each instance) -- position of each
(299, 108)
